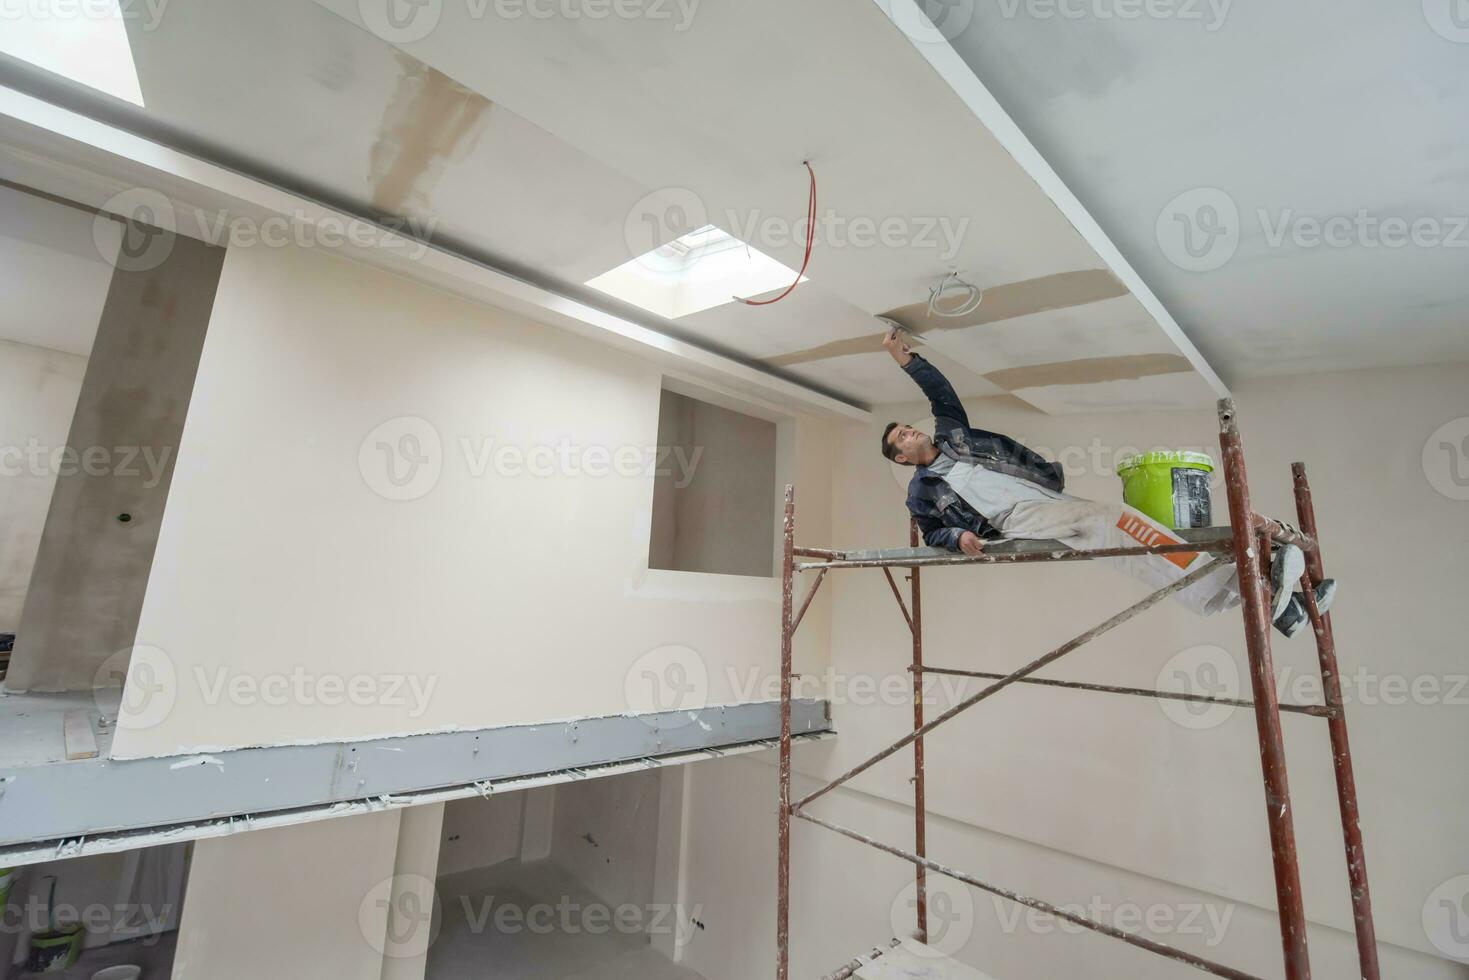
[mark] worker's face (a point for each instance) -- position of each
(912, 444)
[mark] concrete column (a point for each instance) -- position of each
(92, 564)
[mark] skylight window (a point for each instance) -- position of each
(706, 268)
(85, 42)
(703, 241)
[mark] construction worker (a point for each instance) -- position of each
(972, 485)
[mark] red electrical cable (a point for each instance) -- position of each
(810, 238)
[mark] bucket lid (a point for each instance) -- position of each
(1177, 457)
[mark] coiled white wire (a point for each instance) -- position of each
(973, 297)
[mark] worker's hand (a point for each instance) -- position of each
(894, 344)
(970, 544)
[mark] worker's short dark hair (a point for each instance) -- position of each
(888, 449)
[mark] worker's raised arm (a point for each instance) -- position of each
(941, 397)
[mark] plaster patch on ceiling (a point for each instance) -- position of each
(1054, 292)
(430, 121)
(1089, 370)
(1015, 299)
(865, 344)
(1155, 393)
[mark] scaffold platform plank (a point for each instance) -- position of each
(912, 960)
(1217, 537)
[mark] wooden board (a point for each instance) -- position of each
(76, 727)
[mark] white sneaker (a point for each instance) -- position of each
(1286, 569)
(1325, 595)
(1296, 616)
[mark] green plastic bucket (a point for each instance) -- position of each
(54, 951)
(59, 946)
(1170, 487)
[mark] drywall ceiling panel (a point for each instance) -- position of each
(689, 105)
(336, 110)
(56, 267)
(911, 185)
(543, 146)
(408, 142)
(64, 153)
(1300, 134)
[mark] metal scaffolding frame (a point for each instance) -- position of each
(1246, 543)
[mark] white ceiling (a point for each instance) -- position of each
(540, 154)
(55, 269)
(1305, 108)
(719, 116)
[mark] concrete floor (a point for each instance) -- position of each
(464, 952)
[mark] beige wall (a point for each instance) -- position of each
(603, 831)
(508, 592)
(481, 831)
(409, 932)
(305, 901)
(1084, 799)
(353, 896)
(38, 394)
(1056, 791)
(282, 546)
(606, 835)
(847, 898)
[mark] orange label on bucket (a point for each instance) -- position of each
(1148, 536)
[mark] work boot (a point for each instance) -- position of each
(1296, 616)
(1286, 569)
